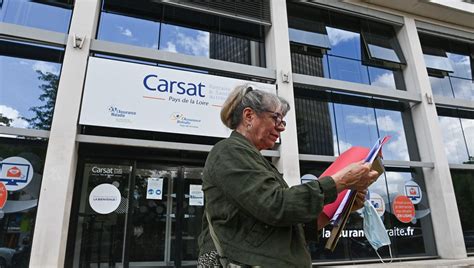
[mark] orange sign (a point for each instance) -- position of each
(403, 209)
(3, 195)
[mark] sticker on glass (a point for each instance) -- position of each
(154, 189)
(413, 191)
(196, 195)
(403, 209)
(105, 198)
(3, 195)
(378, 203)
(308, 178)
(16, 173)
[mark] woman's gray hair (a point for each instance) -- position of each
(248, 96)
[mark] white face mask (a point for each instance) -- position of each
(374, 229)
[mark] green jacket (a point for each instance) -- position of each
(256, 216)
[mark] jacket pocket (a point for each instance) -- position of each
(258, 234)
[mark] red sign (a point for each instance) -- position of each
(403, 209)
(3, 195)
(14, 172)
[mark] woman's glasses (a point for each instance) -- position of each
(278, 118)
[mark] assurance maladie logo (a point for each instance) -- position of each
(121, 115)
(184, 121)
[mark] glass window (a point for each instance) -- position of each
(355, 126)
(390, 123)
(414, 238)
(333, 41)
(449, 58)
(344, 43)
(30, 77)
(128, 30)
(179, 30)
(383, 53)
(309, 38)
(468, 129)
(441, 86)
(453, 138)
(184, 40)
(316, 126)
(100, 236)
(408, 237)
(52, 15)
(380, 42)
(463, 182)
(17, 220)
(382, 77)
(329, 123)
(461, 65)
(306, 26)
(348, 70)
(463, 88)
(438, 62)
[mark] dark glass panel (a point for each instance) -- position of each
(463, 182)
(99, 237)
(315, 123)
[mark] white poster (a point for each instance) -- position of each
(136, 96)
(105, 198)
(154, 189)
(196, 195)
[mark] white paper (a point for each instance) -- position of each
(154, 189)
(196, 195)
(338, 212)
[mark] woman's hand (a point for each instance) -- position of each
(359, 200)
(356, 176)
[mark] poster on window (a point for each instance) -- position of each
(154, 188)
(142, 97)
(196, 195)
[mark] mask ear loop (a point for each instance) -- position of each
(391, 257)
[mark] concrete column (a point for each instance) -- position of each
(277, 49)
(439, 186)
(52, 220)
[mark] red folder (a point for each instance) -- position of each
(353, 155)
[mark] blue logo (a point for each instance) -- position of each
(153, 83)
(184, 121)
(150, 191)
(116, 112)
(158, 192)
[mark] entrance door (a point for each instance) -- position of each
(157, 223)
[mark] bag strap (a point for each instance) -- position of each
(222, 259)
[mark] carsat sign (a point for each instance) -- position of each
(142, 97)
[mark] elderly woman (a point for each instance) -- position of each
(254, 216)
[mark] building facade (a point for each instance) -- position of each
(108, 109)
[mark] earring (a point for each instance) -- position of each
(249, 126)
